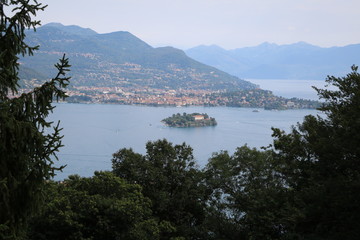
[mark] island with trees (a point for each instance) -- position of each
(189, 120)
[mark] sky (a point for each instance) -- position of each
(227, 23)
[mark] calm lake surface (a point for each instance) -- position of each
(291, 88)
(93, 132)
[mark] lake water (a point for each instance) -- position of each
(291, 88)
(93, 132)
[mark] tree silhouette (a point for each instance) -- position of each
(28, 145)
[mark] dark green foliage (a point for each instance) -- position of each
(12, 35)
(305, 187)
(320, 161)
(28, 145)
(28, 149)
(169, 177)
(248, 195)
(99, 207)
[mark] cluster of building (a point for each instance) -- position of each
(144, 96)
(185, 97)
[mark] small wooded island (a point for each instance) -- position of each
(189, 120)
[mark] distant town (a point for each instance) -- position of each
(256, 98)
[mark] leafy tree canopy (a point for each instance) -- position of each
(306, 186)
(320, 161)
(170, 178)
(248, 197)
(100, 207)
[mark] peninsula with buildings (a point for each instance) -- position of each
(189, 120)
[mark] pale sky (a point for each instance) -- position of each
(227, 23)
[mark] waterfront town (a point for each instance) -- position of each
(256, 98)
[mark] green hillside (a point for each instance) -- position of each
(121, 59)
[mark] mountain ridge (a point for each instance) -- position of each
(299, 60)
(123, 60)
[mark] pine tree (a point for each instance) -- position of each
(28, 142)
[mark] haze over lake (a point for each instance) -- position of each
(291, 88)
(93, 132)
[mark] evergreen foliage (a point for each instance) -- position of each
(28, 146)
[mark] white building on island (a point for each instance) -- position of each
(199, 117)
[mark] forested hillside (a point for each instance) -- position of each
(119, 59)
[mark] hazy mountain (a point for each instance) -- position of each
(29, 77)
(121, 59)
(271, 61)
(73, 29)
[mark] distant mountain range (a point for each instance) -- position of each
(271, 61)
(119, 59)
